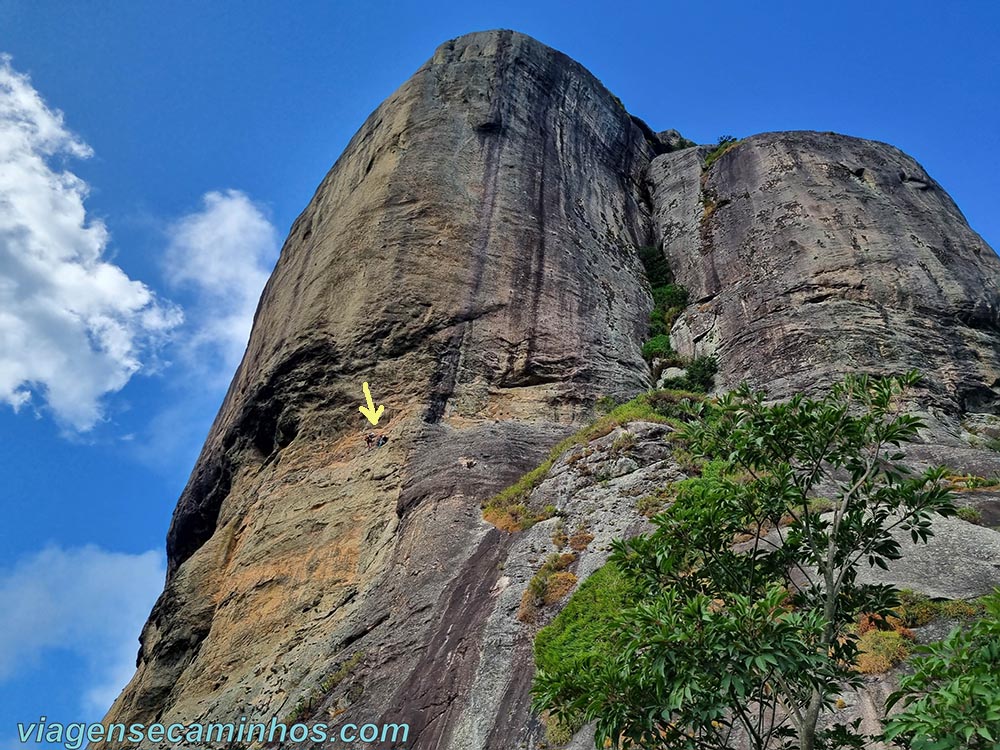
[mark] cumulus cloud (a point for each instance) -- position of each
(85, 600)
(73, 326)
(218, 259)
(223, 254)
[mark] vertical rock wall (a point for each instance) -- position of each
(809, 255)
(472, 255)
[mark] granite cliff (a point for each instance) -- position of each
(473, 254)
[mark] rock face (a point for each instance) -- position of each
(473, 256)
(961, 561)
(811, 254)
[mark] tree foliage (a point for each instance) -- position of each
(744, 593)
(699, 376)
(952, 699)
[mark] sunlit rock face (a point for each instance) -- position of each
(811, 254)
(472, 255)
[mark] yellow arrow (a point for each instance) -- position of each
(370, 411)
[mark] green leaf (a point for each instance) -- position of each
(699, 629)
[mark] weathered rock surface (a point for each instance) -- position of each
(595, 489)
(669, 373)
(961, 561)
(472, 255)
(811, 254)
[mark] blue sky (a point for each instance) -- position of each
(137, 227)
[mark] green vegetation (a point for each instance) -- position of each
(724, 144)
(658, 347)
(332, 680)
(668, 302)
(703, 627)
(660, 498)
(951, 701)
(820, 505)
(578, 637)
(657, 269)
(623, 442)
(653, 503)
(970, 514)
(682, 143)
(670, 296)
(881, 650)
(669, 299)
(604, 404)
(674, 404)
(508, 511)
(699, 376)
(915, 610)
(549, 585)
(973, 482)
(556, 735)
(306, 704)
(583, 621)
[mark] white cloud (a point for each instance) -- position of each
(223, 253)
(87, 601)
(218, 259)
(73, 326)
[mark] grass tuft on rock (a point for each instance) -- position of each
(916, 610)
(699, 376)
(549, 585)
(969, 514)
(508, 510)
(725, 144)
(881, 650)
